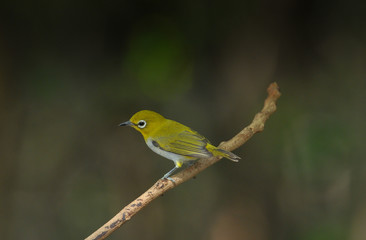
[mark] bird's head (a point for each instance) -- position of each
(145, 122)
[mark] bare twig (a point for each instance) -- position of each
(162, 186)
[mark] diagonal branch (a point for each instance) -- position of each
(162, 186)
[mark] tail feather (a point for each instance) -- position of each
(226, 154)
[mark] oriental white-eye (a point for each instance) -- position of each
(173, 140)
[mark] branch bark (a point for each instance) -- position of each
(162, 186)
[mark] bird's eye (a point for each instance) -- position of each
(141, 124)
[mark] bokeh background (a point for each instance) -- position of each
(71, 71)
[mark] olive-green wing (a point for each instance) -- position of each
(186, 143)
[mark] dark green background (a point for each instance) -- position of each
(70, 71)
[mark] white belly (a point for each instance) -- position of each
(171, 156)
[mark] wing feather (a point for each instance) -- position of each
(186, 143)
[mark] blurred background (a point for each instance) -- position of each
(71, 71)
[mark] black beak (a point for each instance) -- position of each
(128, 123)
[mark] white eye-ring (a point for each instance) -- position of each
(141, 124)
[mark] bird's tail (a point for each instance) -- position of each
(226, 154)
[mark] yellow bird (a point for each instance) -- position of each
(173, 140)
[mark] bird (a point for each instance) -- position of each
(174, 140)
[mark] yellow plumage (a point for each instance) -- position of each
(173, 140)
